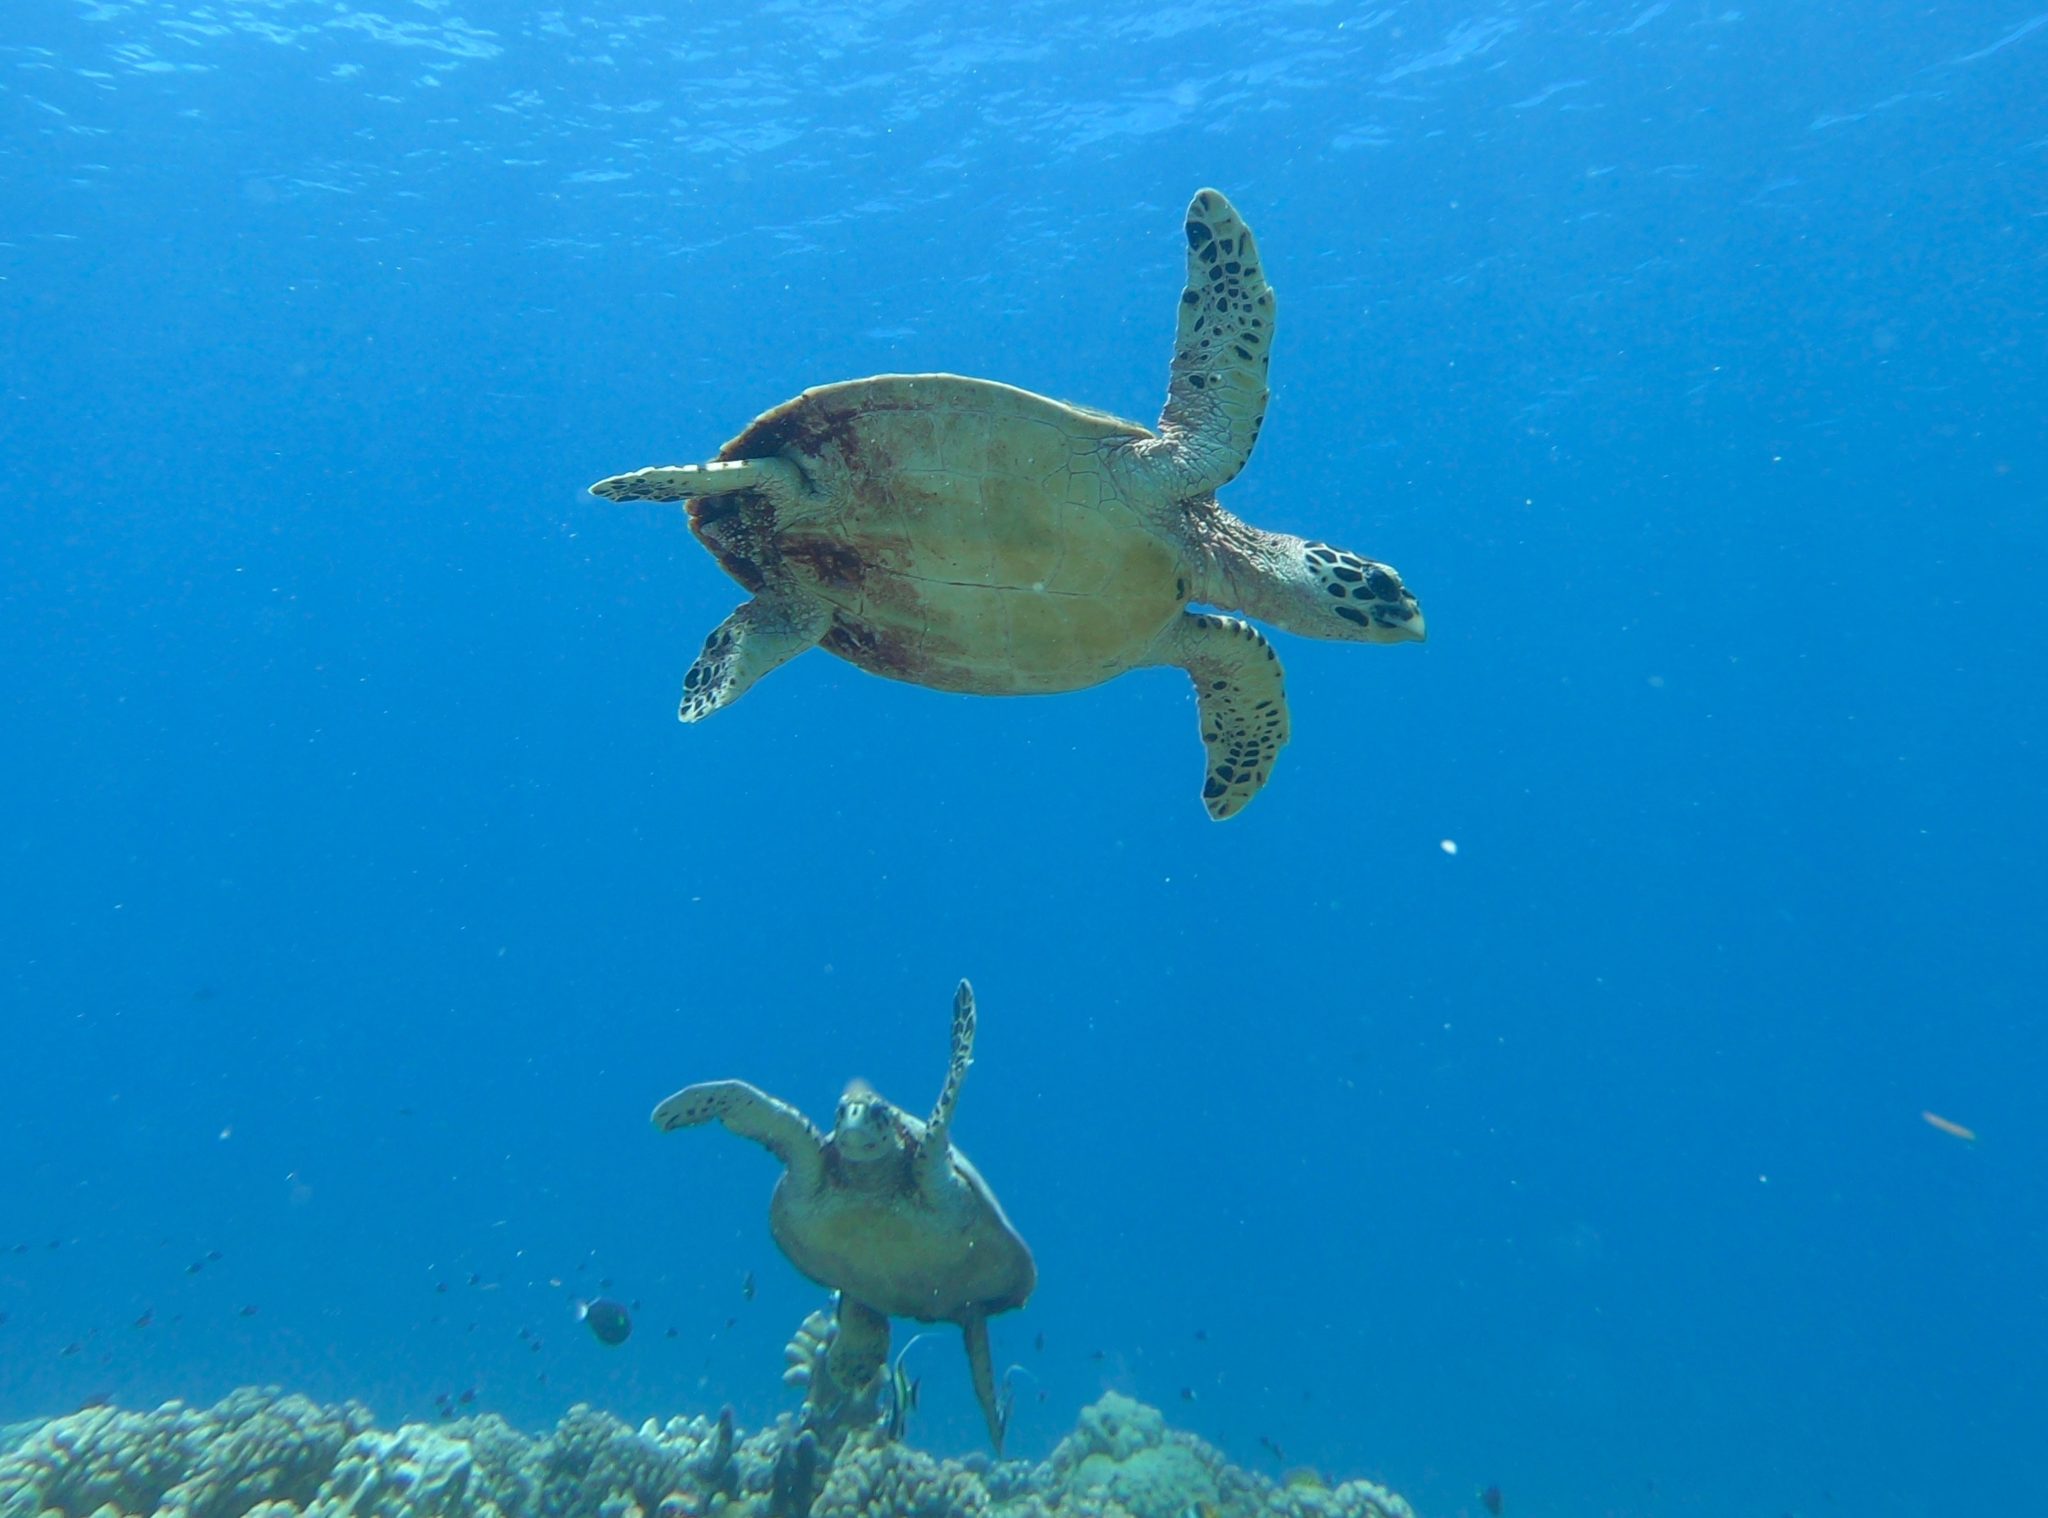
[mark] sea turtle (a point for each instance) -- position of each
(969, 536)
(884, 1210)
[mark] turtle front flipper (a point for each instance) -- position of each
(757, 639)
(1242, 696)
(935, 1152)
(753, 1114)
(1216, 392)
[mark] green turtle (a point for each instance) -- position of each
(884, 1210)
(969, 536)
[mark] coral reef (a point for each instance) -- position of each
(264, 1454)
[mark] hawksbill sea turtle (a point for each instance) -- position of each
(969, 536)
(884, 1210)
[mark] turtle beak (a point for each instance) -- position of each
(1388, 626)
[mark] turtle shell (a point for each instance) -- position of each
(890, 1248)
(969, 536)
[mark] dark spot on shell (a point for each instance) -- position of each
(830, 563)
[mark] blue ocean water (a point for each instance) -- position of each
(1527, 1089)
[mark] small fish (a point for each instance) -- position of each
(1953, 1130)
(148, 1317)
(747, 1286)
(1202, 1334)
(1039, 1342)
(1272, 1447)
(902, 1403)
(249, 1309)
(902, 1394)
(468, 1396)
(607, 1319)
(675, 1333)
(475, 1279)
(1491, 1500)
(1187, 1394)
(443, 1405)
(1006, 1403)
(441, 1287)
(1006, 1398)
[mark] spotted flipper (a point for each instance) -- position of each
(1216, 393)
(758, 638)
(753, 1114)
(1243, 703)
(777, 478)
(935, 1151)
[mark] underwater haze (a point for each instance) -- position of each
(1533, 1088)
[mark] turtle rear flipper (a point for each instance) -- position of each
(981, 1367)
(757, 639)
(778, 479)
(858, 1350)
(1242, 698)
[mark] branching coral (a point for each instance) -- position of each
(876, 1477)
(258, 1454)
(251, 1447)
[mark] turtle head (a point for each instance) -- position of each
(1333, 593)
(1309, 588)
(867, 1125)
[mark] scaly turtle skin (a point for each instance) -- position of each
(885, 1211)
(969, 536)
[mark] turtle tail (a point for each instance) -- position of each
(737, 529)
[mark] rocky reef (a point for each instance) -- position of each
(265, 1454)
